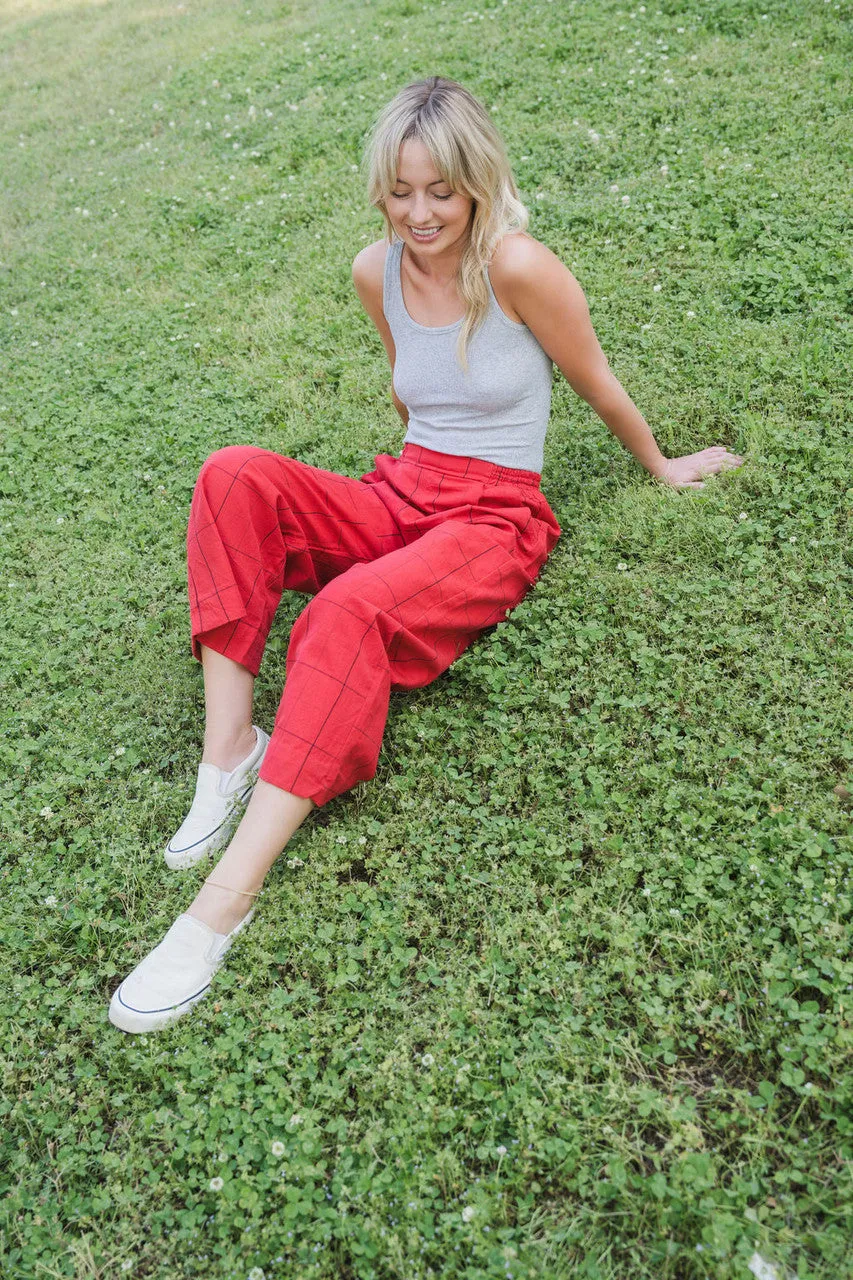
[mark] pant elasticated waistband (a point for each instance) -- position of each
(471, 468)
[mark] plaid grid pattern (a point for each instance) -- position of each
(406, 565)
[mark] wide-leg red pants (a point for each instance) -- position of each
(407, 566)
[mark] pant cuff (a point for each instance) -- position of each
(237, 640)
(291, 776)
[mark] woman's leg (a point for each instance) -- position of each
(268, 823)
(228, 688)
(260, 522)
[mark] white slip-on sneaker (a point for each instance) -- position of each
(219, 799)
(173, 977)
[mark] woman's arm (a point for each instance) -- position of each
(368, 271)
(549, 300)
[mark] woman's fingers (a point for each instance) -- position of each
(717, 459)
(689, 472)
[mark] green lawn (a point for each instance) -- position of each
(565, 991)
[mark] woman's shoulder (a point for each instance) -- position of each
(368, 276)
(519, 255)
(368, 268)
(535, 285)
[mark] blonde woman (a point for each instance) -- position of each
(407, 564)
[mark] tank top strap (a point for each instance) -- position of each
(392, 294)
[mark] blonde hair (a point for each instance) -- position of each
(469, 153)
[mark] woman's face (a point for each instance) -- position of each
(421, 200)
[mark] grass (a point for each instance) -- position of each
(565, 991)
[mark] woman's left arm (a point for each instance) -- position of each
(552, 304)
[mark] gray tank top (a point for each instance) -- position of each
(498, 410)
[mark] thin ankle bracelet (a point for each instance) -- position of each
(246, 894)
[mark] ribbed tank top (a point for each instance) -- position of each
(498, 410)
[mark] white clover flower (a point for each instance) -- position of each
(664, 168)
(691, 315)
(255, 1274)
(501, 1150)
(468, 1213)
(646, 326)
(278, 1148)
(743, 516)
(615, 186)
(46, 812)
(792, 539)
(51, 900)
(296, 1118)
(647, 893)
(621, 566)
(657, 288)
(120, 751)
(626, 200)
(127, 1264)
(216, 1184)
(427, 1059)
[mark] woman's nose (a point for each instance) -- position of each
(420, 210)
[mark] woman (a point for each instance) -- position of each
(406, 565)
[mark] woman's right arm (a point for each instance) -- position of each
(368, 272)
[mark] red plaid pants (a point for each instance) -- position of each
(406, 565)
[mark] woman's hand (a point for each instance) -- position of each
(688, 472)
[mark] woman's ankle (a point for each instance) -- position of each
(220, 907)
(227, 751)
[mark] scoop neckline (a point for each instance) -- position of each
(428, 328)
(448, 328)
